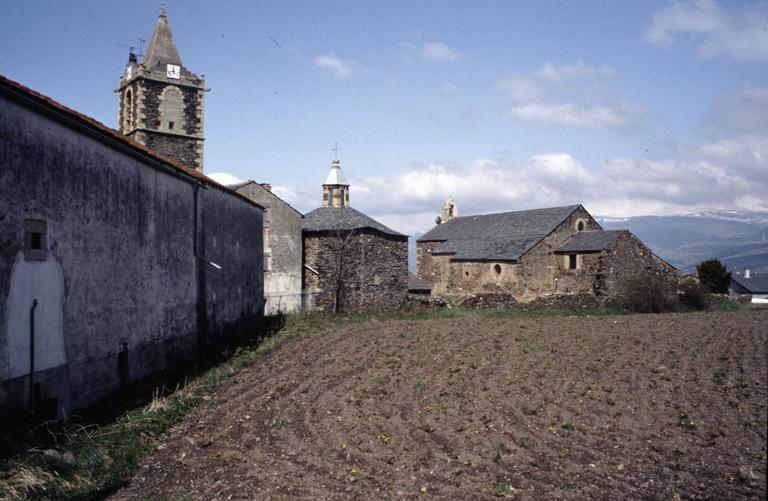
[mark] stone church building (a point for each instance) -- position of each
(352, 263)
(531, 253)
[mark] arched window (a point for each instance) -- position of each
(128, 111)
(580, 225)
(497, 269)
(173, 110)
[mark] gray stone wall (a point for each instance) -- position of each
(283, 246)
(133, 298)
(626, 259)
(373, 276)
(608, 273)
(183, 144)
(181, 149)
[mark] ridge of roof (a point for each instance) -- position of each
(238, 186)
(14, 87)
(502, 236)
(342, 219)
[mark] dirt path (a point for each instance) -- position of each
(630, 407)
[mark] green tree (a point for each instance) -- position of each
(713, 275)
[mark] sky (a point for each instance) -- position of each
(626, 107)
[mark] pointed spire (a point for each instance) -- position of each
(161, 49)
(336, 187)
(336, 176)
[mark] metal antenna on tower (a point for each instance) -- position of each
(141, 47)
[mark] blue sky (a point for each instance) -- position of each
(628, 107)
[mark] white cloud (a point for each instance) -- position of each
(430, 51)
(617, 187)
(742, 111)
(738, 32)
(520, 86)
(574, 95)
(571, 71)
(224, 178)
(339, 68)
(597, 116)
(748, 153)
(437, 51)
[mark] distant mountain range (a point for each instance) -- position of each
(737, 238)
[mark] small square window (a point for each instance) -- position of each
(171, 125)
(35, 240)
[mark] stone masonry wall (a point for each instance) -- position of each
(374, 270)
(180, 147)
(580, 280)
(283, 244)
(626, 259)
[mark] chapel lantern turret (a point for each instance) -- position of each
(336, 187)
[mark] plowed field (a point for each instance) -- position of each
(617, 407)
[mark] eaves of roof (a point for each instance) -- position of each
(106, 135)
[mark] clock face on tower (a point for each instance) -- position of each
(174, 71)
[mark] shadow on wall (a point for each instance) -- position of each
(22, 431)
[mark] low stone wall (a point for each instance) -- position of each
(507, 301)
(489, 302)
(565, 301)
(729, 299)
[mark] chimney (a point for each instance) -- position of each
(746, 274)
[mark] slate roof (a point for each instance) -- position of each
(590, 241)
(342, 219)
(757, 283)
(417, 284)
(496, 237)
(31, 99)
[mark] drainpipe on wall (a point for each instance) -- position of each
(200, 299)
(32, 355)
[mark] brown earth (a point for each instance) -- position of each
(617, 407)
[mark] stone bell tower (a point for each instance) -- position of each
(161, 102)
(450, 211)
(336, 187)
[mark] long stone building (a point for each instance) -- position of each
(352, 263)
(532, 253)
(118, 257)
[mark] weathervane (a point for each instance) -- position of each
(335, 150)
